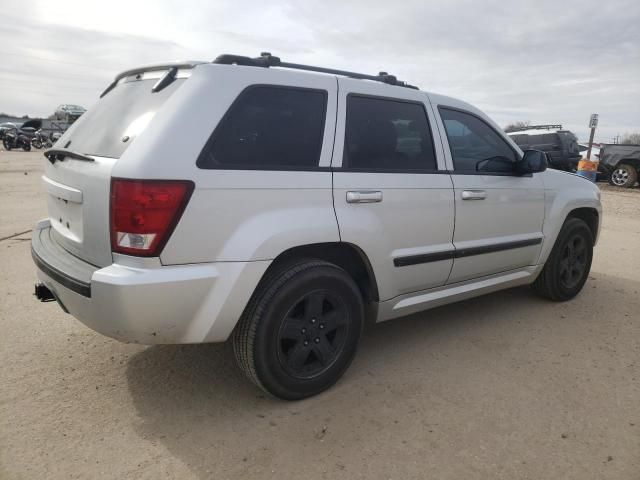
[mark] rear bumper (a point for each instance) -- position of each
(142, 301)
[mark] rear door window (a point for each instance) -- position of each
(269, 127)
(112, 124)
(391, 135)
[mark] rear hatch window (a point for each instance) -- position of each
(112, 124)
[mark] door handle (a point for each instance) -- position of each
(364, 196)
(474, 194)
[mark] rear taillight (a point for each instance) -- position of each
(144, 213)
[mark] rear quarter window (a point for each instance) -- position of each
(269, 127)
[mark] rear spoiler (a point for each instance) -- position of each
(150, 68)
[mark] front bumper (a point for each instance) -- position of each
(143, 301)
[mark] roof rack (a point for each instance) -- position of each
(536, 127)
(266, 60)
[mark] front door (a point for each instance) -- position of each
(499, 215)
(392, 195)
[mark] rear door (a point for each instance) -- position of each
(78, 190)
(393, 197)
(499, 215)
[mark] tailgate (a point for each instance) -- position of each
(78, 205)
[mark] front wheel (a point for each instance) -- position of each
(301, 329)
(36, 144)
(567, 268)
(7, 144)
(624, 176)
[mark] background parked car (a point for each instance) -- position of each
(69, 113)
(560, 145)
(620, 164)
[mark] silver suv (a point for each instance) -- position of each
(285, 205)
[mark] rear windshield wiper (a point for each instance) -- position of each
(54, 154)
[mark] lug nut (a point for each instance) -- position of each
(304, 330)
(306, 343)
(317, 340)
(313, 320)
(321, 326)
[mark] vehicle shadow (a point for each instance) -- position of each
(196, 402)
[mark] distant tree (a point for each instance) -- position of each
(631, 138)
(512, 127)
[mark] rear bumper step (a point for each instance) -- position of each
(59, 265)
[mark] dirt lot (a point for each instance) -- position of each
(507, 386)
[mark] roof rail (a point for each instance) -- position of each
(535, 127)
(266, 60)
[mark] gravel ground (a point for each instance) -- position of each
(506, 386)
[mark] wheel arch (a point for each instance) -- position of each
(570, 203)
(343, 254)
(590, 216)
(634, 162)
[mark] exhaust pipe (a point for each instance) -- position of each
(43, 294)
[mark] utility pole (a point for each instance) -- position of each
(593, 123)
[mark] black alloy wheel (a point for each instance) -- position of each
(301, 328)
(567, 268)
(312, 334)
(573, 262)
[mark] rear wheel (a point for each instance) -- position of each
(567, 268)
(7, 144)
(624, 176)
(26, 147)
(301, 329)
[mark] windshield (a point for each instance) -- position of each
(112, 124)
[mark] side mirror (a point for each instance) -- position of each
(533, 161)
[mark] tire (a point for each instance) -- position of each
(624, 176)
(26, 147)
(7, 145)
(300, 330)
(36, 144)
(567, 268)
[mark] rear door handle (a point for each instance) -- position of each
(474, 194)
(364, 196)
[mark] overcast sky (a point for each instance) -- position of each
(542, 61)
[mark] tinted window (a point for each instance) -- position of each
(475, 146)
(569, 141)
(520, 139)
(544, 139)
(125, 111)
(387, 134)
(269, 127)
